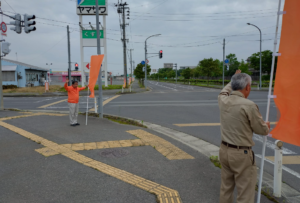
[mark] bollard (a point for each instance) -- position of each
(277, 169)
(95, 103)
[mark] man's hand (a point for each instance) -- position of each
(268, 124)
(67, 80)
(238, 71)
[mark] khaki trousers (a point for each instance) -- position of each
(73, 113)
(238, 170)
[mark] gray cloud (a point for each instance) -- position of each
(204, 22)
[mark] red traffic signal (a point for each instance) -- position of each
(160, 54)
(76, 66)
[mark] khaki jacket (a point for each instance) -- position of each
(240, 118)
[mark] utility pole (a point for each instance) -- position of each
(223, 59)
(131, 61)
(69, 56)
(121, 9)
(176, 71)
(1, 89)
(100, 99)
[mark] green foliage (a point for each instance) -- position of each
(244, 67)
(171, 74)
(186, 73)
(209, 67)
(233, 65)
(266, 61)
(139, 73)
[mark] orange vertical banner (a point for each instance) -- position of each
(287, 80)
(95, 66)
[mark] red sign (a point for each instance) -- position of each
(3, 27)
(88, 66)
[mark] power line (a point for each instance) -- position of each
(9, 6)
(151, 19)
(209, 13)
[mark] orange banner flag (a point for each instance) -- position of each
(287, 81)
(95, 66)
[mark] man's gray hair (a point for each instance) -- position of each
(240, 81)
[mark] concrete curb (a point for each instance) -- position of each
(220, 88)
(289, 194)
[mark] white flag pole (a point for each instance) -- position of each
(268, 107)
(87, 105)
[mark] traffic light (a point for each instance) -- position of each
(76, 66)
(28, 24)
(5, 48)
(160, 54)
(17, 23)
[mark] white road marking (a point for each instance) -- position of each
(283, 167)
(271, 145)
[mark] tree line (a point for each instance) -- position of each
(210, 67)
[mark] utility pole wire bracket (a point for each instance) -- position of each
(272, 96)
(276, 54)
(281, 12)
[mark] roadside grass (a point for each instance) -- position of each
(38, 89)
(215, 161)
(53, 88)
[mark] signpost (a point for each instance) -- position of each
(143, 62)
(226, 61)
(88, 7)
(3, 28)
(88, 38)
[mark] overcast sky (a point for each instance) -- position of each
(190, 31)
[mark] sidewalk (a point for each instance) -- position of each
(44, 159)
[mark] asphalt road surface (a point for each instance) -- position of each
(170, 104)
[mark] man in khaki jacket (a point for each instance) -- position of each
(240, 118)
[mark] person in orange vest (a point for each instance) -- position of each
(73, 99)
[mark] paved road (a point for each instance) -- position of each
(169, 104)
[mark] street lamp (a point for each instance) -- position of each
(259, 56)
(50, 64)
(146, 58)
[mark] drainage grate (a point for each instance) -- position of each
(114, 153)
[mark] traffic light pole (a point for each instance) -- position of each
(1, 89)
(69, 56)
(100, 99)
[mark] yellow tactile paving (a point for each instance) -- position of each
(106, 101)
(164, 194)
(102, 145)
(205, 124)
(114, 144)
(31, 114)
(286, 159)
(47, 105)
(164, 147)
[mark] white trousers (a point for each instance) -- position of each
(73, 112)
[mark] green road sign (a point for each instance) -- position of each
(90, 2)
(91, 34)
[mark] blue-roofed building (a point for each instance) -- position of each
(22, 75)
